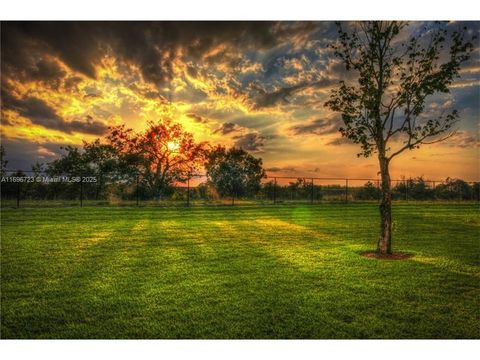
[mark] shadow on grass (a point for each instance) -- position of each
(245, 274)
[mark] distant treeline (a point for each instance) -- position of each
(114, 190)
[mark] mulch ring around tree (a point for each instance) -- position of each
(394, 256)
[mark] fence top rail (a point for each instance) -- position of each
(356, 179)
(323, 178)
(272, 177)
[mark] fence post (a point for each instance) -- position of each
(406, 190)
(81, 191)
(188, 191)
(98, 187)
(18, 194)
(379, 195)
(274, 191)
(311, 193)
(136, 190)
(346, 190)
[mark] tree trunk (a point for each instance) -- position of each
(384, 245)
(158, 192)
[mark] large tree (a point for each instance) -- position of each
(158, 156)
(162, 154)
(383, 108)
(234, 172)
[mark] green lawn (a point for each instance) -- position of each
(239, 272)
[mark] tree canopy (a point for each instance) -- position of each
(161, 155)
(394, 79)
(234, 172)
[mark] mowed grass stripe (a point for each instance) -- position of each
(238, 272)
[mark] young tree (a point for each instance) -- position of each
(234, 172)
(386, 106)
(161, 155)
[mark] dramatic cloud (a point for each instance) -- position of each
(339, 141)
(250, 142)
(276, 169)
(261, 86)
(42, 114)
(317, 127)
(198, 118)
(34, 109)
(48, 71)
(463, 139)
(227, 128)
(152, 46)
(282, 96)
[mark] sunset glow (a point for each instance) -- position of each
(172, 146)
(259, 86)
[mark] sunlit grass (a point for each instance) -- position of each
(239, 272)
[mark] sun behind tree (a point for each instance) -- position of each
(160, 155)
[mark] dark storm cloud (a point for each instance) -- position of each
(40, 113)
(74, 42)
(268, 99)
(250, 142)
(150, 45)
(317, 127)
(265, 99)
(32, 108)
(227, 128)
(71, 83)
(46, 71)
(87, 126)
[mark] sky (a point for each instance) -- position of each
(256, 85)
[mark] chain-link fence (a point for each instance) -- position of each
(39, 189)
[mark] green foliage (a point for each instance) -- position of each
(162, 154)
(394, 79)
(456, 189)
(415, 189)
(127, 157)
(450, 189)
(234, 172)
(368, 192)
(72, 163)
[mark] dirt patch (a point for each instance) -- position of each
(394, 256)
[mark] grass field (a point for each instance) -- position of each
(239, 272)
